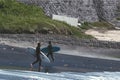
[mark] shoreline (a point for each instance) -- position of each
(72, 57)
(67, 44)
(18, 58)
(81, 51)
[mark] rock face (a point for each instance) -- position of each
(85, 10)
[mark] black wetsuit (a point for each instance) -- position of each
(38, 58)
(50, 52)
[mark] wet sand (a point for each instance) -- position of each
(19, 58)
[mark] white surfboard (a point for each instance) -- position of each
(43, 56)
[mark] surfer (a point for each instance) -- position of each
(50, 52)
(38, 58)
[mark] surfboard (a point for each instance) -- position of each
(54, 49)
(43, 56)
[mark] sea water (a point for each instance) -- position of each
(30, 75)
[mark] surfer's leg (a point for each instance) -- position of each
(48, 55)
(35, 62)
(52, 57)
(31, 67)
(39, 68)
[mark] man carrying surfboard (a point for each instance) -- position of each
(50, 51)
(38, 58)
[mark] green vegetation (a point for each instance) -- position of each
(20, 18)
(17, 17)
(118, 18)
(102, 25)
(97, 25)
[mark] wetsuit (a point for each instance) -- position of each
(38, 58)
(50, 52)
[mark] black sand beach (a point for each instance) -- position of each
(18, 58)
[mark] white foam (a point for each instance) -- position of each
(30, 75)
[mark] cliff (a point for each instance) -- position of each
(85, 10)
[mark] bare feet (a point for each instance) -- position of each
(31, 67)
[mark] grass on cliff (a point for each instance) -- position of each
(21, 18)
(97, 25)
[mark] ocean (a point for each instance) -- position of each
(6, 74)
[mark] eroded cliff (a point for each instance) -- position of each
(85, 10)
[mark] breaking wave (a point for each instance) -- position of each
(30, 75)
